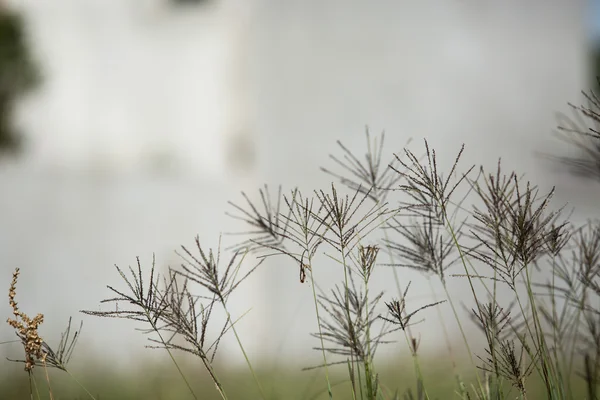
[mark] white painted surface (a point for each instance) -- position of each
(126, 83)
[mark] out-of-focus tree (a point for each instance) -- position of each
(18, 75)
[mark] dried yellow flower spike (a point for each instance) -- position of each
(26, 328)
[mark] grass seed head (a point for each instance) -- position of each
(26, 328)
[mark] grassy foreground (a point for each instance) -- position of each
(493, 230)
(161, 382)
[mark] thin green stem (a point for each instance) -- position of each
(260, 389)
(316, 303)
(78, 382)
(575, 333)
(48, 381)
(408, 331)
(369, 368)
(464, 263)
(352, 384)
(548, 368)
(529, 331)
(179, 370)
(346, 292)
(558, 337)
(444, 328)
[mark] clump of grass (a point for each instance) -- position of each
(512, 237)
(167, 305)
(37, 351)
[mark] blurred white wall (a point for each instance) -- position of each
(134, 88)
(487, 74)
(133, 148)
(152, 84)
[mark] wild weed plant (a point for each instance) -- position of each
(511, 235)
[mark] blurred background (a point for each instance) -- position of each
(127, 125)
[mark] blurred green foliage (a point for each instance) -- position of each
(160, 381)
(18, 75)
